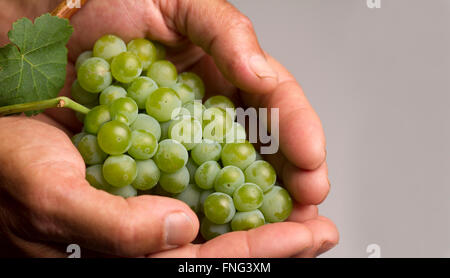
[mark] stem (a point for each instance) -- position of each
(59, 102)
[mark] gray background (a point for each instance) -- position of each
(379, 80)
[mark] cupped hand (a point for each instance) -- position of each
(211, 38)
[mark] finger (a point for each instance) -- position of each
(325, 237)
(225, 33)
(272, 240)
(302, 213)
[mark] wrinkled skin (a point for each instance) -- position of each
(45, 202)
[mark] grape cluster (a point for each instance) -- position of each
(148, 132)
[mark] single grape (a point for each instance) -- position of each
(236, 134)
(126, 107)
(206, 174)
(160, 51)
(207, 150)
(112, 93)
(216, 124)
(221, 102)
(171, 156)
(140, 89)
(82, 96)
(191, 196)
(203, 196)
(228, 179)
(94, 75)
(163, 72)
(261, 173)
(119, 170)
(195, 82)
(95, 118)
(90, 151)
(148, 175)
(192, 167)
(161, 103)
(243, 221)
(125, 192)
(147, 123)
(77, 138)
(248, 197)
(94, 175)
(126, 67)
(210, 230)
(175, 182)
(219, 208)
(82, 58)
(165, 130)
(143, 144)
(196, 109)
(108, 47)
(277, 205)
(187, 131)
(185, 92)
(145, 50)
(114, 138)
(238, 154)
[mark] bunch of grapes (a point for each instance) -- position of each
(148, 132)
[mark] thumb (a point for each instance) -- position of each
(228, 36)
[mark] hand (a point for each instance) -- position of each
(63, 208)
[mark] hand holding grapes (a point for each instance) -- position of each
(76, 212)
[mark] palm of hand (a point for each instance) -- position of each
(57, 169)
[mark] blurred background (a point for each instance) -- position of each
(379, 78)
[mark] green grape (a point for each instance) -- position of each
(126, 192)
(228, 179)
(238, 154)
(203, 196)
(277, 205)
(140, 89)
(112, 93)
(195, 108)
(207, 150)
(145, 50)
(163, 72)
(160, 51)
(187, 131)
(216, 124)
(82, 96)
(165, 130)
(192, 167)
(143, 144)
(94, 75)
(90, 151)
(123, 85)
(261, 173)
(147, 123)
(195, 82)
(171, 156)
(95, 118)
(219, 208)
(148, 175)
(82, 58)
(175, 182)
(247, 197)
(236, 134)
(221, 102)
(243, 221)
(77, 138)
(159, 191)
(161, 104)
(126, 107)
(185, 92)
(94, 175)
(190, 196)
(108, 47)
(210, 230)
(114, 138)
(126, 67)
(206, 174)
(119, 170)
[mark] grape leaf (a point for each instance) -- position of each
(33, 65)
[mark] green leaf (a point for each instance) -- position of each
(33, 65)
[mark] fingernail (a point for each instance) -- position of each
(178, 228)
(261, 68)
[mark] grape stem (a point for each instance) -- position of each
(59, 102)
